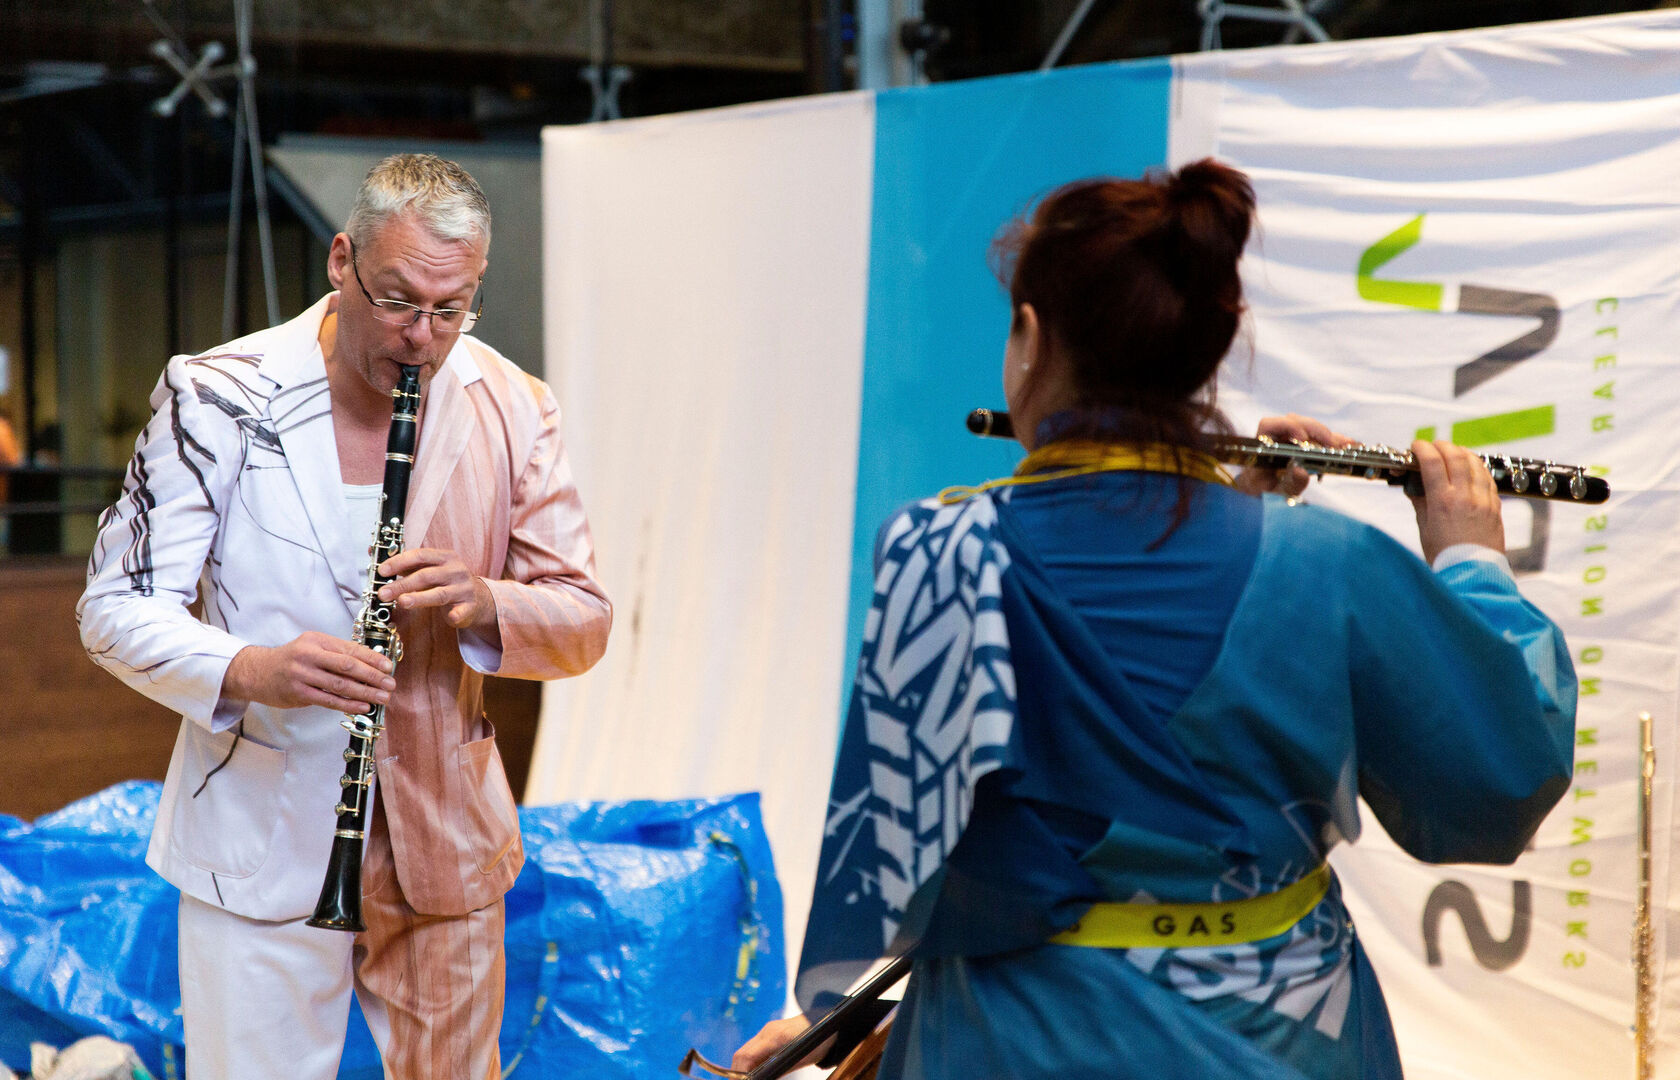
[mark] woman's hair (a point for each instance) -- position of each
(1135, 284)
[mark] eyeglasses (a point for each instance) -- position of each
(401, 313)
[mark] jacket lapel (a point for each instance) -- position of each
(302, 410)
(446, 428)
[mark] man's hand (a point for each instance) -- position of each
(1460, 503)
(435, 577)
(771, 1038)
(311, 669)
(1293, 480)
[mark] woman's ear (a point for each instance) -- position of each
(1030, 332)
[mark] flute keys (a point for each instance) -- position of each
(1548, 484)
(1519, 480)
(1578, 485)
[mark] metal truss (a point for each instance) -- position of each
(1300, 19)
(195, 78)
(605, 77)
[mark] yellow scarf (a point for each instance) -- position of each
(1079, 457)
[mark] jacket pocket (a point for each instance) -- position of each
(489, 815)
(228, 809)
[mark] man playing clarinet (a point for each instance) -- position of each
(255, 489)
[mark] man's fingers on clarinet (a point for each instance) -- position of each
(358, 654)
(343, 688)
(351, 665)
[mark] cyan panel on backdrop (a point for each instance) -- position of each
(953, 162)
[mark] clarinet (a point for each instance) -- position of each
(340, 905)
(1531, 478)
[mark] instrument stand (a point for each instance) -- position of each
(247, 140)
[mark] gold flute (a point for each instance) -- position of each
(1644, 978)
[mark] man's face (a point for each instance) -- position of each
(401, 260)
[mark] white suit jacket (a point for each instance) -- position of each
(234, 498)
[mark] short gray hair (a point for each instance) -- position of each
(439, 193)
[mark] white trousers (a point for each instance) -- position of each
(264, 999)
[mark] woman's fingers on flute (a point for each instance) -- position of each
(1300, 428)
(1292, 427)
(1460, 503)
(1432, 466)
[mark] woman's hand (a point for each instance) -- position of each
(1460, 504)
(771, 1038)
(1293, 480)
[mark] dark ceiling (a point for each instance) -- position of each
(989, 37)
(77, 78)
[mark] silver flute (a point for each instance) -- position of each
(1531, 478)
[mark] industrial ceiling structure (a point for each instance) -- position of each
(126, 115)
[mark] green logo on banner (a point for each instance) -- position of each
(1497, 429)
(1424, 295)
(1452, 897)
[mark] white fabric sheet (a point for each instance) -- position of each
(705, 278)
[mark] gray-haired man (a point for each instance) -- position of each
(255, 488)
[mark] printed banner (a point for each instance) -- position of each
(1475, 237)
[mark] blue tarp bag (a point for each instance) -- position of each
(635, 930)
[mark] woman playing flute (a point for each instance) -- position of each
(1112, 714)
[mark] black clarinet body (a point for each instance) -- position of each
(340, 904)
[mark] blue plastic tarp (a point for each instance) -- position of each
(635, 930)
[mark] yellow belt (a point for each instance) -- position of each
(1177, 926)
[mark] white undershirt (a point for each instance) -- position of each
(362, 500)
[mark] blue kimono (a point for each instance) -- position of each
(1055, 706)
